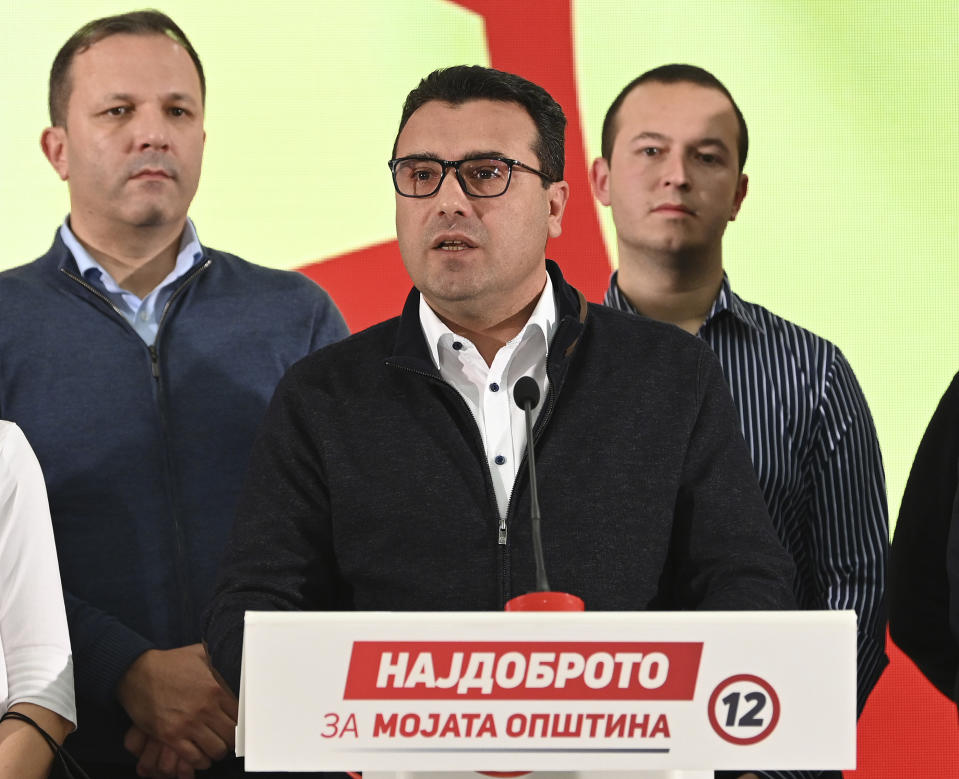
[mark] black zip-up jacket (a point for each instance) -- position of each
(924, 563)
(368, 487)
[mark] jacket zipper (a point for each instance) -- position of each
(154, 347)
(154, 366)
(154, 355)
(90, 288)
(186, 603)
(502, 524)
(490, 492)
(502, 527)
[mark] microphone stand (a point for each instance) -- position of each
(526, 395)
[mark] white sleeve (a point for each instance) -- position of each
(34, 641)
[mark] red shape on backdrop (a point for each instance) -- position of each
(535, 41)
(370, 285)
(908, 728)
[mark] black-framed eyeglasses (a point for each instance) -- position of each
(478, 176)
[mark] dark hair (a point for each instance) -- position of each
(673, 74)
(148, 22)
(462, 83)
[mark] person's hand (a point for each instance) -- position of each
(156, 760)
(185, 715)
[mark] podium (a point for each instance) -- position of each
(633, 692)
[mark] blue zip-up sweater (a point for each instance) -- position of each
(143, 448)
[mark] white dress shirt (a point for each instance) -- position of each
(488, 389)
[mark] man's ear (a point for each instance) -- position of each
(556, 198)
(53, 141)
(741, 188)
(599, 179)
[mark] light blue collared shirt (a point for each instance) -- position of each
(142, 314)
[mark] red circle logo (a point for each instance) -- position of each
(744, 709)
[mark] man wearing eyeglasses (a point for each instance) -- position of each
(390, 473)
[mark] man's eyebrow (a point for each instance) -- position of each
(712, 142)
(181, 97)
(471, 155)
(484, 153)
(126, 97)
(420, 155)
(649, 135)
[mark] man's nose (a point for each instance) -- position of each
(676, 172)
(451, 198)
(152, 130)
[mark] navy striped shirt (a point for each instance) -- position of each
(814, 448)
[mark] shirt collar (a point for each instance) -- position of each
(189, 253)
(729, 301)
(543, 319)
(726, 300)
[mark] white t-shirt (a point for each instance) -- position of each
(35, 661)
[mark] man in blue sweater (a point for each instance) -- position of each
(139, 364)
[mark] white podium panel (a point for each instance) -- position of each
(542, 775)
(548, 691)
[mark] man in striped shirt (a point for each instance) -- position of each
(674, 146)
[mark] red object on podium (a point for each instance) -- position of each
(538, 601)
(545, 601)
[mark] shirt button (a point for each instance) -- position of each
(494, 387)
(143, 316)
(499, 460)
(457, 345)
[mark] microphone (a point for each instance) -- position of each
(526, 395)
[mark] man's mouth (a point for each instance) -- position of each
(152, 173)
(453, 244)
(674, 208)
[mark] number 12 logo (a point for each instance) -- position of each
(744, 709)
